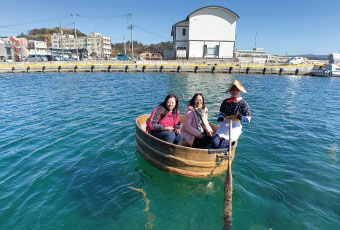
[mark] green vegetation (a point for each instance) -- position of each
(45, 33)
(138, 47)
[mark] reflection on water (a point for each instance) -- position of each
(151, 217)
(332, 152)
(68, 157)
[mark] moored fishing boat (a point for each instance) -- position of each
(181, 160)
(327, 70)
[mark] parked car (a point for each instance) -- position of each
(73, 58)
(60, 58)
(56, 57)
(49, 57)
(36, 57)
(123, 57)
(295, 61)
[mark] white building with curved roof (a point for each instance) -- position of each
(208, 32)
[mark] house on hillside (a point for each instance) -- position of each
(151, 53)
(208, 32)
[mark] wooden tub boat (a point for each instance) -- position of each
(181, 160)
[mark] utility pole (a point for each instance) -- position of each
(131, 28)
(61, 41)
(75, 32)
(131, 41)
(124, 45)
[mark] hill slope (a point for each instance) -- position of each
(45, 33)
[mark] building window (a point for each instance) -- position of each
(211, 51)
(184, 31)
(8, 51)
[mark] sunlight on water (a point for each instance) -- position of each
(68, 157)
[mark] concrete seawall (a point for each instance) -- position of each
(157, 67)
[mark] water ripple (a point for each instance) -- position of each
(68, 156)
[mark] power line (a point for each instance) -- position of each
(104, 16)
(83, 28)
(148, 38)
(8, 27)
(68, 24)
(34, 22)
(15, 31)
(146, 31)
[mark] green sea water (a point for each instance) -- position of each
(68, 155)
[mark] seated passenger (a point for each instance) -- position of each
(231, 108)
(164, 121)
(196, 130)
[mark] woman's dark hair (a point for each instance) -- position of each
(192, 101)
(163, 104)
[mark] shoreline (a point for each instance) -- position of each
(158, 66)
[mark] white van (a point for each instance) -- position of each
(295, 61)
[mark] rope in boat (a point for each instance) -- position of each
(150, 217)
(219, 161)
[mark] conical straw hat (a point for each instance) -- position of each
(238, 85)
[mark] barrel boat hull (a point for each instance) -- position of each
(177, 159)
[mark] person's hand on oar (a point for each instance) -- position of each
(231, 117)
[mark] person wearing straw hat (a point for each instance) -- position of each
(231, 108)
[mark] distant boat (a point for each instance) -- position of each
(326, 70)
(180, 160)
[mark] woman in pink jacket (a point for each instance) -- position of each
(164, 121)
(196, 130)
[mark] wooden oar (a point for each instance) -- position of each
(228, 189)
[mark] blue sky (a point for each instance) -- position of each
(282, 27)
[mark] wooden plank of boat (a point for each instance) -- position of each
(177, 159)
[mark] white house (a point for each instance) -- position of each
(208, 32)
(37, 47)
